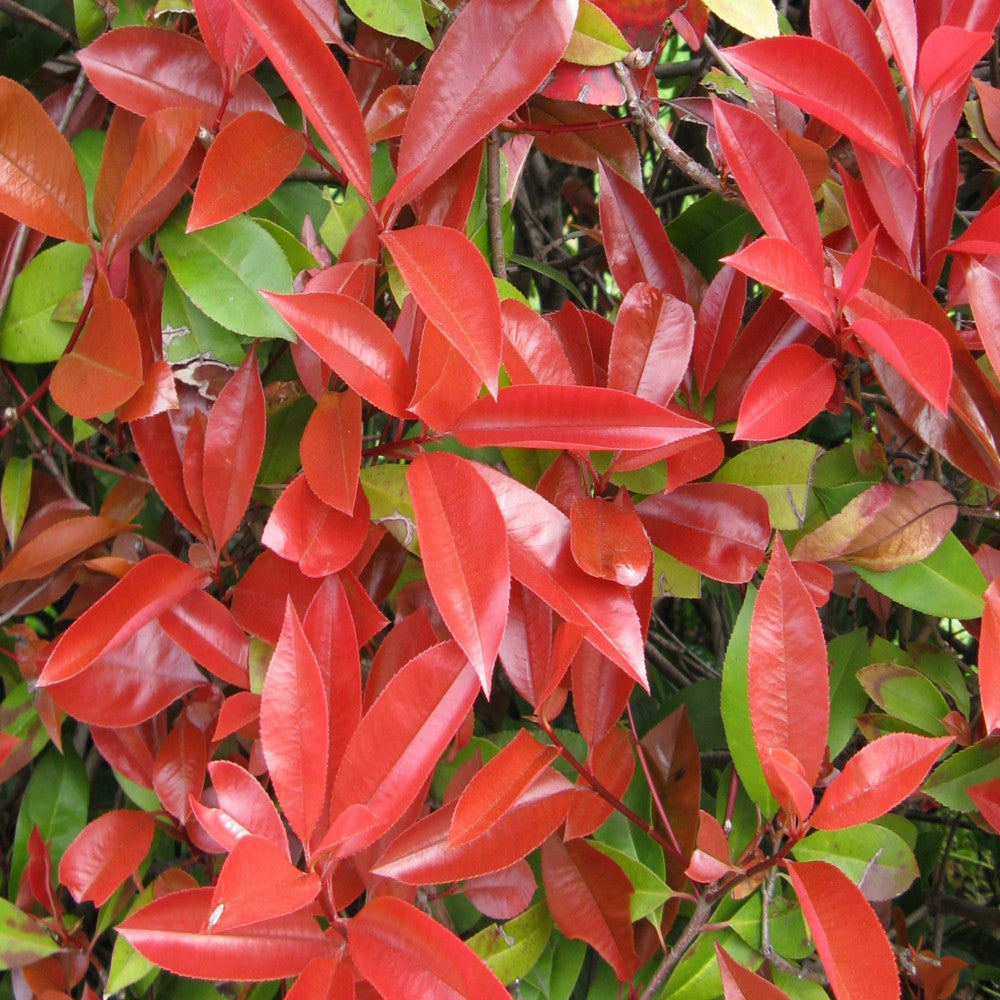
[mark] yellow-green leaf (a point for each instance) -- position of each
(756, 18)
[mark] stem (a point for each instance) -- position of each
(27, 14)
(494, 201)
(697, 923)
(676, 848)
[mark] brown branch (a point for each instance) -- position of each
(494, 201)
(26, 14)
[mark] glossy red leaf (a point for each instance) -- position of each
(492, 59)
(258, 882)
(504, 894)
(331, 449)
(787, 783)
(574, 417)
(787, 683)
(324, 979)
(741, 984)
(405, 954)
(838, 917)
(149, 588)
(710, 858)
(40, 184)
(771, 179)
(105, 853)
(421, 855)
(588, 895)
(987, 800)
(227, 38)
(498, 786)
(884, 527)
(179, 767)
(320, 538)
(247, 160)
(261, 595)
(651, 344)
(989, 657)
(294, 728)
(825, 82)
(104, 369)
(234, 444)
(170, 932)
(463, 545)
(876, 779)
(792, 388)
(541, 558)
(983, 287)
(719, 529)
(446, 383)
(314, 77)
(146, 70)
(635, 241)
(401, 738)
(719, 318)
(354, 342)
(243, 809)
(409, 637)
(205, 629)
(608, 541)
(453, 285)
(600, 693)
(531, 351)
(137, 678)
(526, 646)
(612, 763)
(916, 350)
(947, 57)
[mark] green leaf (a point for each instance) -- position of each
(595, 40)
(709, 229)
(23, 939)
(222, 269)
(756, 18)
(189, 333)
(15, 492)
(796, 988)
(556, 971)
(847, 653)
(28, 332)
(88, 147)
(905, 694)
(672, 578)
(285, 426)
(939, 666)
(874, 858)
(400, 18)
(91, 20)
(696, 977)
(389, 499)
(736, 709)
(55, 800)
(298, 257)
(837, 479)
(127, 967)
(512, 950)
(947, 584)
(781, 473)
(787, 928)
(649, 891)
(972, 766)
(546, 270)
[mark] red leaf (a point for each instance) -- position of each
(446, 383)
(531, 351)
(170, 932)
(771, 179)
(40, 184)
(354, 342)
(989, 658)
(792, 387)
(136, 679)
(720, 529)
(608, 541)
(987, 800)
(331, 449)
(540, 557)
(234, 444)
(421, 855)
(314, 77)
(787, 684)
(401, 738)
(247, 160)
(243, 809)
(294, 728)
(838, 917)
(105, 853)
(475, 66)
(651, 344)
(104, 369)
(204, 628)
(179, 767)
(229, 41)
(453, 285)
(588, 895)
(258, 883)
(504, 894)
(324, 979)
(612, 763)
(719, 319)
(741, 984)
(825, 82)
(710, 858)
(916, 350)
(574, 417)
(405, 954)
(498, 786)
(983, 287)
(146, 70)
(319, 538)
(947, 56)
(600, 693)
(786, 781)
(876, 779)
(149, 588)
(464, 552)
(635, 241)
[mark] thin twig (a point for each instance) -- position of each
(723, 62)
(494, 201)
(26, 14)
(684, 162)
(702, 911)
